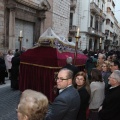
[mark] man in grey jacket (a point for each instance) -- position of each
(66, 104)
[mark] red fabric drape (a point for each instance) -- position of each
(40, 76)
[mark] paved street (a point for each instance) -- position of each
(8, 102)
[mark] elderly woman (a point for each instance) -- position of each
(33, 106)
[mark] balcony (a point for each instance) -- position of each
(94, 32)
(103, 16)
(94, 8)
(72, 29)
(73, 4)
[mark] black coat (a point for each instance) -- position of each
(2, 65)
(73, 68)
(2, 70)
(85, 96)
(15, 72)
(65, 106)
(111, 105)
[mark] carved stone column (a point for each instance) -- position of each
(12, 29)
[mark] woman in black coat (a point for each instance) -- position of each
(81, 84)
(15, 70)
(2, 69)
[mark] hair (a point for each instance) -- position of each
(117, 75)
(69, 60)
(70, 73)
(107, 65)
(86, 84)
(96, 75)
(103, 56)
(33, 104)
(116, 62)
(9, 51)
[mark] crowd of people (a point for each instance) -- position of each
(91, 94)
(9, 67)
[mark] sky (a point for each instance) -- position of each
(117, 10)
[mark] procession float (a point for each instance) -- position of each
(39, 64)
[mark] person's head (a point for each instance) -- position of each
(106, 66)
(69, 60)
(114, 57)
(10, 52)
(96, 75)
(64, 78)
(114, 78)
(115, 65)
(101, 58)
(33, 105)
(79, 79)
(109, 58)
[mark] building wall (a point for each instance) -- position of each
(60, 20)
(2, 25)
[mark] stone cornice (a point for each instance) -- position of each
(44, 5)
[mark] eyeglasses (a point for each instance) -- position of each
(80, 79)
(111, 77)
(61, 79)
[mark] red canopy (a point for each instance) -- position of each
(38, 66)
(49, 56)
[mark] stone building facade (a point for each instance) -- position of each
(21, 15)
(2, 24)
(32, 17)
(58, 17)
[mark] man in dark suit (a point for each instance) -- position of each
(70, 66)
(110, 109)
(66, 104)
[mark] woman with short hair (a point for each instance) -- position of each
(33, 105)
(97, 88)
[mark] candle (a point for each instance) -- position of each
(100, 40)
(78, 32)
(20, 33)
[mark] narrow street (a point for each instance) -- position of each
(9, 100)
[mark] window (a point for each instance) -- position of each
(91, 21)
(71, 19)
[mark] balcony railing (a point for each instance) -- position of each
(103, 16)
(95, 32)
(73, 4)
(73, 28)
(94, 8)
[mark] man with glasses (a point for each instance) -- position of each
(110, 109)
(66, 104)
